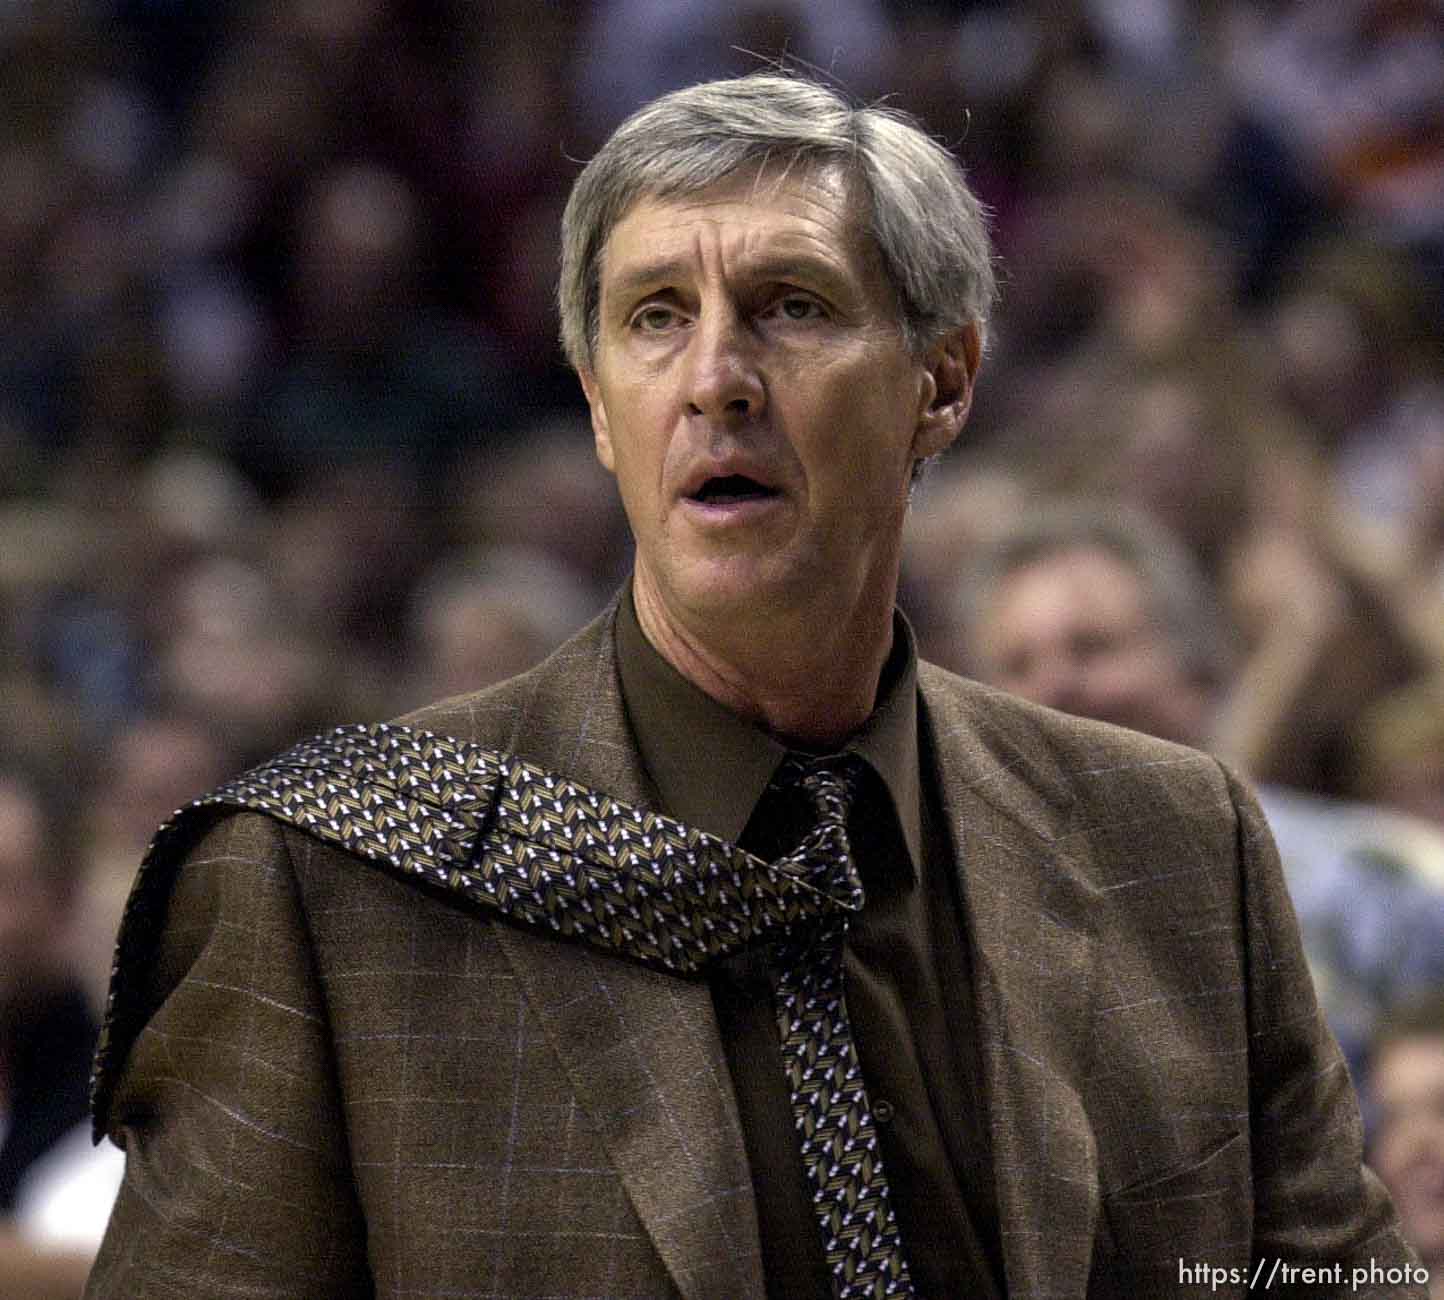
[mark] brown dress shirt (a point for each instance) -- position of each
(909, 988)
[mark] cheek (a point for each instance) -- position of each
(869, 479)
(1142, 673)
(639, 454)
(862, 421)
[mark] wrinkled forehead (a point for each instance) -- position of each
(764, 182)
(807, 209)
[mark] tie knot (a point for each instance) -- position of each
(825, 853)
(830, 783)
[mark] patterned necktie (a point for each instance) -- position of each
(491, 829)
(836, 1132)
(552, 854)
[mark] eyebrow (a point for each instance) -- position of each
(768, 266)
(647, 275)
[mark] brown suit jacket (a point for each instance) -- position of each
(348, 1086)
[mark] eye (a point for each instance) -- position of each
(797, 306)
(654, 318)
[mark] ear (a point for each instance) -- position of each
(601, 432)
(951, 367)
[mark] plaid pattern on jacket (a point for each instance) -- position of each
(349, 1086)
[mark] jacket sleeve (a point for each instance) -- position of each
(1315, 1205)
(238, 1179)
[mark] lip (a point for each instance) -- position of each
(726, 467)
(732, 512)
(726, 511)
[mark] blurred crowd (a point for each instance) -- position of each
(286, 439)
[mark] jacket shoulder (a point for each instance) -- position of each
(542, 714)
(992, 732)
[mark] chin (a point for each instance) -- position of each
(739, 583)
(727, 597)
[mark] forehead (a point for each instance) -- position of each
(759, 219)
(1086, 578)
(1410, 1066)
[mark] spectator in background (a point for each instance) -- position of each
(484, 615)
(371, 371)
(1199, 432)
(233, 655)
(1357, 360)
(1170, 334)
(1100, 613)
(548, 494)
(1405, 1091)
(46, 1028)
(147, 769)
(633, 50)
(769, 359)
(1353, 90)
(1401, 750)
(1331, 624)
(47, 1033)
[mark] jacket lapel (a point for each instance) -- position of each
(677, 1141)
(675, 1137)
(1029, 915)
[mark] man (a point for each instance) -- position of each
(1405, 1083)
(1102, 613)
(1097, 611)
(542, 1040)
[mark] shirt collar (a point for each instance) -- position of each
(686, 737)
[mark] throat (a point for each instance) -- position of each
(806, 688)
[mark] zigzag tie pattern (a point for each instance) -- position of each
(836, 1132)
(540, 849)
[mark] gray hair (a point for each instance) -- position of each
(1175, 591)
(927, 224)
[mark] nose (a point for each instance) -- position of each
(724, 380)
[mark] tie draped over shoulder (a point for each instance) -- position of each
(334, 1078)
(500, 833)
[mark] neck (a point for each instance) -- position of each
(809, 681)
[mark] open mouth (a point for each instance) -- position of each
(730, 489)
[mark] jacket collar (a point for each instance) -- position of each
(674, 1135)
(1031, 915)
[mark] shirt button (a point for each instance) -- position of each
(883, 1110)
